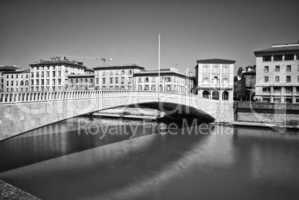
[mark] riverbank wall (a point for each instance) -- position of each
(266, 113)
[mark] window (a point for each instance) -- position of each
(297, 89)
(146, 87)
(289, 89)
(266, 99)
(288, 100)
(277, 99)
(266, 89)
(266, 78)
(116, 80)
(225, 95)
(289, 57)
(277, 78)
(215, 95)
(104, 80)
(288, 79)
(277, 89)
(146, 79)
(111, 80)
(168, 79)
(266, 69)
(277, 57)
(277, 68)
(289, 68)
(153, 87)
(267, 58)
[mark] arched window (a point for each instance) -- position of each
(215, 95)
(225, 95)
(206, 94)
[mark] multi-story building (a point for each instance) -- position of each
(16, 81)
(215, 79)
(170, 81)
(115, 77)
(81, 82)
(52, 75)
(2, 70)
(277, 74)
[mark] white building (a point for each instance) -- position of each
(81, 82)
(215, 79)
(170, 81)
(277, 74)
(115, 77)
(16, 81)
(52, 75)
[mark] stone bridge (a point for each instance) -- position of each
(21, 112)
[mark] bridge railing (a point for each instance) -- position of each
(24, 97)
(43, 96)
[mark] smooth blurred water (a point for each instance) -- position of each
(228, 163)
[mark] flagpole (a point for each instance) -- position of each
(159, 66)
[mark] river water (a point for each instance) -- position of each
(133, 160)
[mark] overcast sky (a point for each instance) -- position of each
(127, 31)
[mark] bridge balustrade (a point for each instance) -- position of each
(43, 96)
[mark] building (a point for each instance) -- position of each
(52, 75)
(2, 70)
(277, 74)
(81, 82)
(215, 79)
(115, 77)
(16, 81)
(170, 81)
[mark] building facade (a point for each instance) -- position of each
(52, 75)
(16, 81)
(170, 81)
(115, 77)
(2, 70)
(81, 82)
(277, 74)
(215, 79)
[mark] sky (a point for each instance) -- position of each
(127, 30)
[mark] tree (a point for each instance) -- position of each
(239, 86)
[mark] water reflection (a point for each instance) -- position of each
(229, 163)
(66, 137)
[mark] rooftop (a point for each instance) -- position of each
(19, 71)
(81, 75)
(291, 48)
(119, 67)
(58, 60)
(5, 68)
(163, 72)
(216, 61)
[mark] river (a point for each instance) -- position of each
(133, 160)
